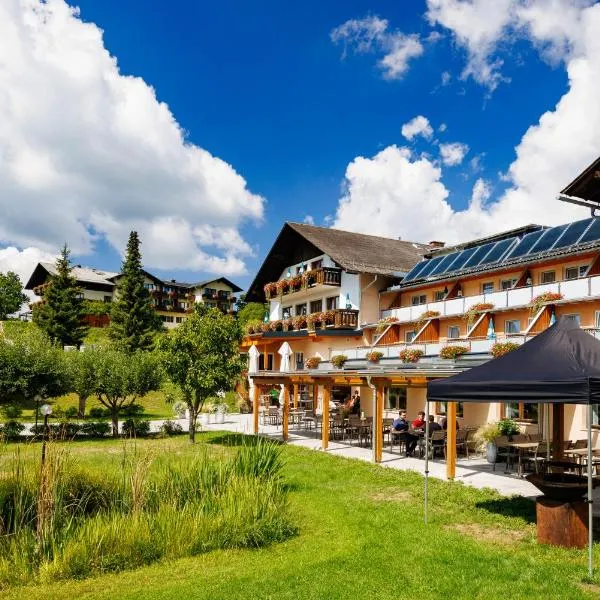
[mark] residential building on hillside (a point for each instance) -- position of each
(172, 300)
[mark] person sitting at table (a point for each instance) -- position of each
(445, 424)
(419, 422)
(433, 424)
(400, 424)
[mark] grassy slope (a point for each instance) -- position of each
(361, 536)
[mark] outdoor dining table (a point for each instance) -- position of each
(580, 453)
(520, 447)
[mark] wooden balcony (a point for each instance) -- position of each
(330, 276)
(341, 319)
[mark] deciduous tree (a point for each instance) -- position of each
(11, 294)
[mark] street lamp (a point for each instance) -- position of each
(46, 410)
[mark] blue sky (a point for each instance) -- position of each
(263, 87)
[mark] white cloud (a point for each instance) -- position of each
(446, 77)
(418, 126)
(372, 35)
(22, 262)
(86, 152)
(442, 127)
(309, 220)
(453, 153)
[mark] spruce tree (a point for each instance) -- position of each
(133, 321)
(61, 313)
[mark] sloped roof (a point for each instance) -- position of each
(81, 274)
(585, 188)
(355, 252)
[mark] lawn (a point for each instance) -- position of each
(360, 535)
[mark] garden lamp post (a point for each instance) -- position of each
(46, 411)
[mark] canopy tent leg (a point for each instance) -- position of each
(426, 510)
(451, 440)
(590, 495)
(547, 432)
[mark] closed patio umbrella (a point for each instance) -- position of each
(285, 352)
(491, 333)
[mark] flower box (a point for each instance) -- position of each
(411, 355)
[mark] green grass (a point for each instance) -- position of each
(361, 535)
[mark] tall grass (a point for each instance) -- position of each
(64, 521)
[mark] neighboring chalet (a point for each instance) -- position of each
(171, 299)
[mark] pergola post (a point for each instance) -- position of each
(286, 412)
(325, 424)
(296, 388)
(378, 423)
(255, 407)
(451, 440)
(315, 397)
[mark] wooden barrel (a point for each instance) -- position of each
(562, 523)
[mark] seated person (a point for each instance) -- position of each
(400, 424)
(419, 422)
(433, 425)
(445, 424)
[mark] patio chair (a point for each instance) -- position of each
(461, 441)
(470, 442)
(308, 419)
(535, 437)
(337, 427)
(503, 450)
(273, 416)
(437, 442)
(536, 456)
(387, 427)
(579, 445)
(399, 438)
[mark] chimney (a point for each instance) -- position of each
(436, 244)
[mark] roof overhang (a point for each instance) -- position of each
(584, 190)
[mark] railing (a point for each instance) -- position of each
(574, 289)
(332, 319)
(323, 276)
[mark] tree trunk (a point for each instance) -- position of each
(192, 423)
(115, 423)
(81, 411)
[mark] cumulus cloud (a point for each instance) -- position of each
(446, 77)
(452, 154)
(309, 220)
(397, 194)
(418, 126)
(372, 35)
(22, 262)
(89, 153)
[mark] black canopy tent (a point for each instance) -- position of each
(559, 365)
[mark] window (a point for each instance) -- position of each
(178, 319)
(409, 336)
(521, 411)
(439, 295)
(299, 270)
(575, 272)
(395, 398)
(597, 319)
(575, 318)
(316, 306)
(107, 299)
(548, 277)
(420, 299)
(441, 408)
(286, 312)
(487, 288)
(583, 269)
(512, 326)
(261, 362)
(79, 295)
(508, 284)
(300, 309)
(596, 414)
(166, 319)
(316, 264)
(453, 332)
(299, 361)
(333, 303)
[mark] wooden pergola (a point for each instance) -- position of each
(377, 379)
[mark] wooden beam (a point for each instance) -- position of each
(558, 430)
(325, 424)
(286, 412)
(255, 407)
(296, 388)
(315, 397)
(451, 440)
(378, 424)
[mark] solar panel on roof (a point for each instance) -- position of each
(414, 272)
(443, 266)
(432, 263)
(478, 255)
(462, 258)
(548, 239)
(526, 243)
(497, 252)
(592, 234)
(573, 233)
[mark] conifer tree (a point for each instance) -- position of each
(61, 312)
(133, 321)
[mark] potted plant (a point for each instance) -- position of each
(299, 322)
(427, 316)
(282, 286)
(312, 320)
(313, 362)
(485, 436)
(502, 348)
(453, 352)
(270, 290)
(295, 283)
(471, 314)
(411, 355)
(542, 299)
(374, 356)
(308, 279)
(339, 360)
(508, 428)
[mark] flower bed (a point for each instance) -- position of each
(411, 355)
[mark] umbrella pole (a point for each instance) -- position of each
(590, 498)
(426, 461)
(547, 411)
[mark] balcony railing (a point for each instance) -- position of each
(331, 319)
(574, 289)
(331, 276)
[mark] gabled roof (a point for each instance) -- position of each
(82, 275)
(201, 284)
(356, 252)
(585, 188)
(187, 285)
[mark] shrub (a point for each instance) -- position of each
(132, 410)
(502, 348)
(411, 355)
(71, 412)
(98, 412)
(171, 428)
(253, 327)
(11, 412)
(95, 428)
(508, 427)
(135, 428)
(339, 360)
(11, 430)
(313, 362)
(180, 408)
(375, 356)
(450, 352)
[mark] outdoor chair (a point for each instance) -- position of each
(308, 419)
(579, 445)
(398, 438)
(437, 443)
(461, 441)
(387, 428)
(503, 450)
(273, 416)
(470, 441)
(536, 456)
(535, 437)
(337, 427)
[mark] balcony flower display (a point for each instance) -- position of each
(451, 352)
(295, 283)
(542, 299)
(252, 327)
(282, 286)
(264, 327)
(309, 278)
(339, 360)
(172, 294)
(411, 355)
(276, 325)
(471, 314)
(502, 348)
(299, 322)
(326, 317)
(312, 362)
(383, 323)
(374, 356)
(427, 316)
(270, 290)
(287, 325)
(312, 320)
